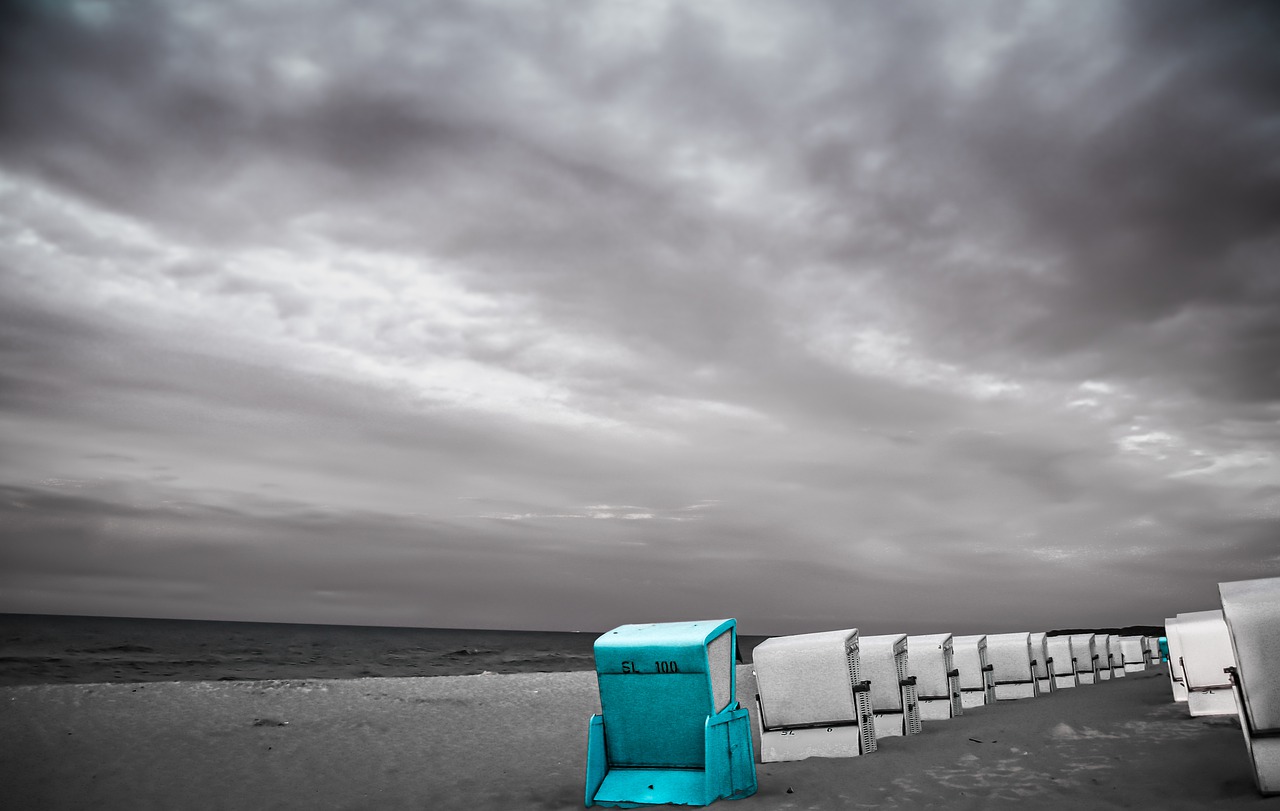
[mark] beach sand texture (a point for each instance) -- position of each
(519, 742)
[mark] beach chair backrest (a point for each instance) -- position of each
(659, 683)
(808, 678)
(970, 658)
(1084, 650)
(1206, 649)
(1010, 656)
(1040, 652)
(930, 662)
(1132, 649)
(1059, 648)
(1251, 609)
(884, 664)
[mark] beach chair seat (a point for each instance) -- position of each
(932, 661)
(894, 705)
(670, 729)
(813, 700)
(1251, 610)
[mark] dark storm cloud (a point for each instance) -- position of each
(753, 302)
(1148, 170)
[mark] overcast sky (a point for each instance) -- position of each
(899, 315)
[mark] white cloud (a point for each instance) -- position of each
(1097, 387)
(894, 356)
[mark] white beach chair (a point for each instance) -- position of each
(1175, 654)
(1206, 655)
(1134, 652)
(813, 699)
(1115, 656)
(937, 680)
(1152, 644)
(1013, 663)
(1062, 662)
(1043, 665)
(1084, 652)
(977, 687)
(894, 704)
(1252, 612)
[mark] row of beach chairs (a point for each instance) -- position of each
(672, 730)
(898, 681)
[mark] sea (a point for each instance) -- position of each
(45, 649)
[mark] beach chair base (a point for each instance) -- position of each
(1015, 690)
(969, 699)
(1086, 677)
(730, 772)
(1216, 701)
(1064, 681)
(779, 745)
(1264, 746)
(1265, 754)
(1134, 667)
(937, 709)
(890, 724)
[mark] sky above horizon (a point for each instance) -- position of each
(902, 316)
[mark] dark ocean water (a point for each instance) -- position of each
(38, 649)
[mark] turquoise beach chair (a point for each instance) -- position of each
(670, 730)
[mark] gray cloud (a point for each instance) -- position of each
(680, 309)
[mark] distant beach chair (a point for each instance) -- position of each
(1013, 664)
(1163, 644)
(1133, 651)
(932, 662)
(1064, 663)
(1084, 651)
(1173, 654)
(1043, 664)
(670, 730)
(1151, 650)
(894, 705)
(813, 699)
(1251, 609)
(1115, 656)
(1206, 656)
(977, 687)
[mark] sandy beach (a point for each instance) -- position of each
(518, 742)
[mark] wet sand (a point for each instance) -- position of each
(519, 742)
